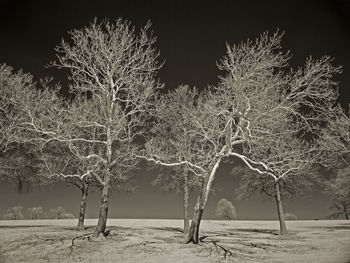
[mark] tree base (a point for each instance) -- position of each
(99, 236)
(283, 233)
(192, 235)
(191, 240)
(80, 228)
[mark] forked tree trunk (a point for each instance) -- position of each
(193, 233)
(186, 195)
(102, 218)
(283, 227)
(84, 194)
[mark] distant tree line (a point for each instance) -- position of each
(17, 213)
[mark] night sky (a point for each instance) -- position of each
(191, 39)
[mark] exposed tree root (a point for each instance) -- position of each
(202, 238)
(90, 237)
(227, 252)
(87, 236)
(257, 245)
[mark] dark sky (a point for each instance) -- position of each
(191, 38)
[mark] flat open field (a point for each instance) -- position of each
(149, 240)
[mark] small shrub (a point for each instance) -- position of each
(290, 216)
(225, 210)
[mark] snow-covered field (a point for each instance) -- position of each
(161, 240)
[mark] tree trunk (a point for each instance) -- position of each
(186, 215)
(102, 218)
(193, 233)
(283, 227)
(84, 194)
(345, 212)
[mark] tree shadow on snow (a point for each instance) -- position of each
(254, 230)
(169, 229)
(337, 227)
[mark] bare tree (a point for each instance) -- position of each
(15, 158)
(112, 72)
(239, 117)
(19, 154)
(59, 164)
(289, 161)
(289, 186)
(13, 85)
(180, 180)
(14, 213)
(173, 120)
(340, 208)
(338, 188)
(285, 144)
(225, 210)
(175, 140)
(336, 143)
(113, 82)
(19, 165)
(36, 212)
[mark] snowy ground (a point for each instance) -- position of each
(150, 240)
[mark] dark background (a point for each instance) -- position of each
(191, 39)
